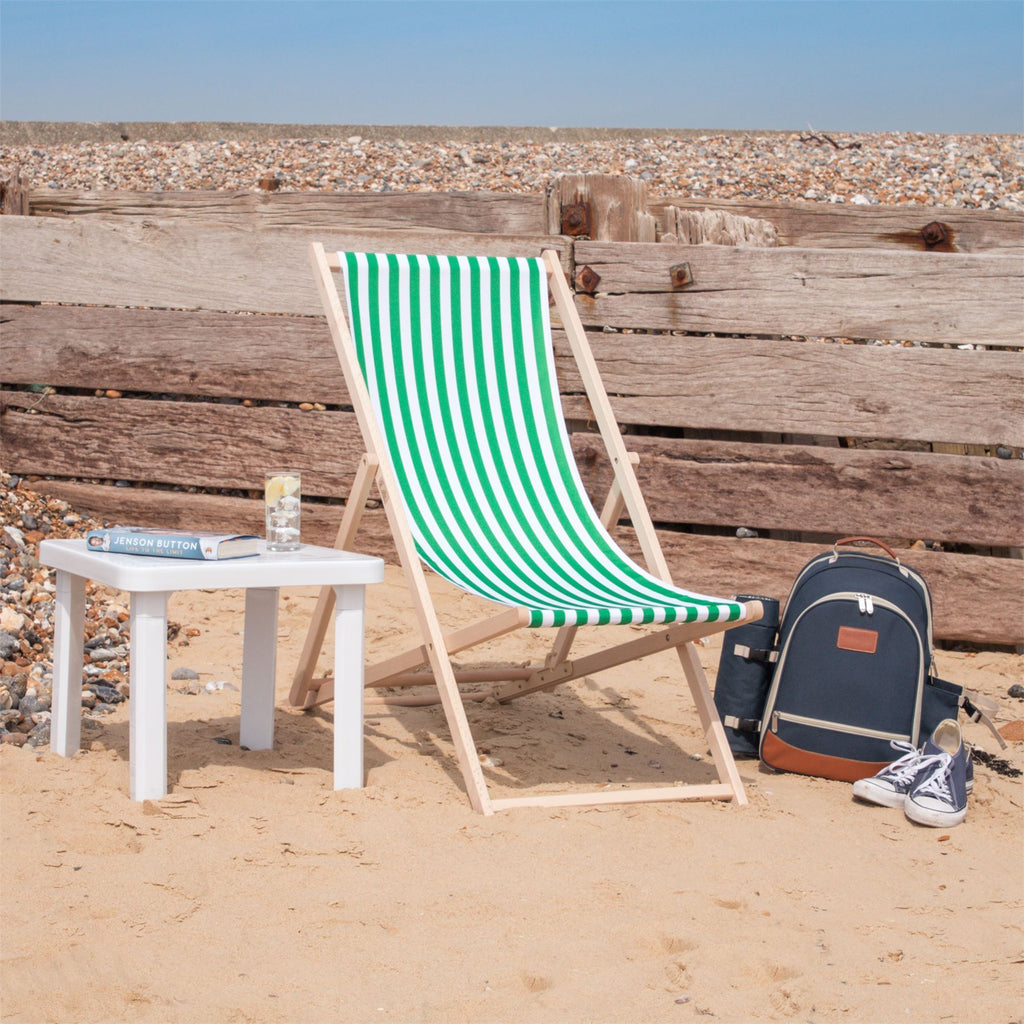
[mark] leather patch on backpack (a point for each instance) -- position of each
(863, 640)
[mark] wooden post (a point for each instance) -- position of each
(602, 207)
(14, 195)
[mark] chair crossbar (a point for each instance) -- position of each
(586, 798)
(632, 650)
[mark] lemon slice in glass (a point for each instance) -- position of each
(279, 486)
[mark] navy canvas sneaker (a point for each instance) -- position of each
(890, 786)
(939, 796)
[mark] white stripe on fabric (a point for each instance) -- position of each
(497, 476)
(595, 588)
(505, 479)
(431, 420)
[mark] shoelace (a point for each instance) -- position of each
(937, 784)
(909, 766)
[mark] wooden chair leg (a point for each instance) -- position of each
(721, 753)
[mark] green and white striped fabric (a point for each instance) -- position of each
(456, 352)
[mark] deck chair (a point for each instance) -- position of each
(450, 367)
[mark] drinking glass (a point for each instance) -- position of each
(282, 497)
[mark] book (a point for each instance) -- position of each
(142, 540)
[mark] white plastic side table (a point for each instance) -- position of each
(149, 581)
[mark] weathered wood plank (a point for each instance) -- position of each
(471, 212)
(977, 599)
(712, 483)
(920, 394)
(201, 444)
(128, 261)
(260, 356)
(714, 227)
(800, 224)
(868, 294)
(833, 226)
(911, 495)
(14, 194)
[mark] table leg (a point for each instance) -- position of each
(68, 637)
(348, 687)
(148, 702)
(259, 664)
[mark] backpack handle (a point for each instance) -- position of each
(870, 540)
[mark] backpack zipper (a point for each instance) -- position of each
(821, 723)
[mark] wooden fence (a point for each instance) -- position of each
(749, 377)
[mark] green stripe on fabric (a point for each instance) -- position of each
(513, 286)
(449, 539)
(500, 393)
(501, 531)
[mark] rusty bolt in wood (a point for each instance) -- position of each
(681, 275)
(575, 219)
(935, 233)
(587, 280)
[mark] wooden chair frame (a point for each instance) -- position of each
(437, 648)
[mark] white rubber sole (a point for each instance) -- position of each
(932, 815)
(865, 789)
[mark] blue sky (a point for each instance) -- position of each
(868, 65)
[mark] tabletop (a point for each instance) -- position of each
(308, 566)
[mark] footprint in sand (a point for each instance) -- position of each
(781, 995)
(672, 944)
(535, 983)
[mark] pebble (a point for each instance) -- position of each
(108, 653)
(220, 684)
(974, 171)
(11, 621)
(8, 643)
(107, 694)
(26, 619)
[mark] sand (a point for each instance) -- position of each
(255, 893)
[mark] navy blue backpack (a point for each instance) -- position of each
(851, 670)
